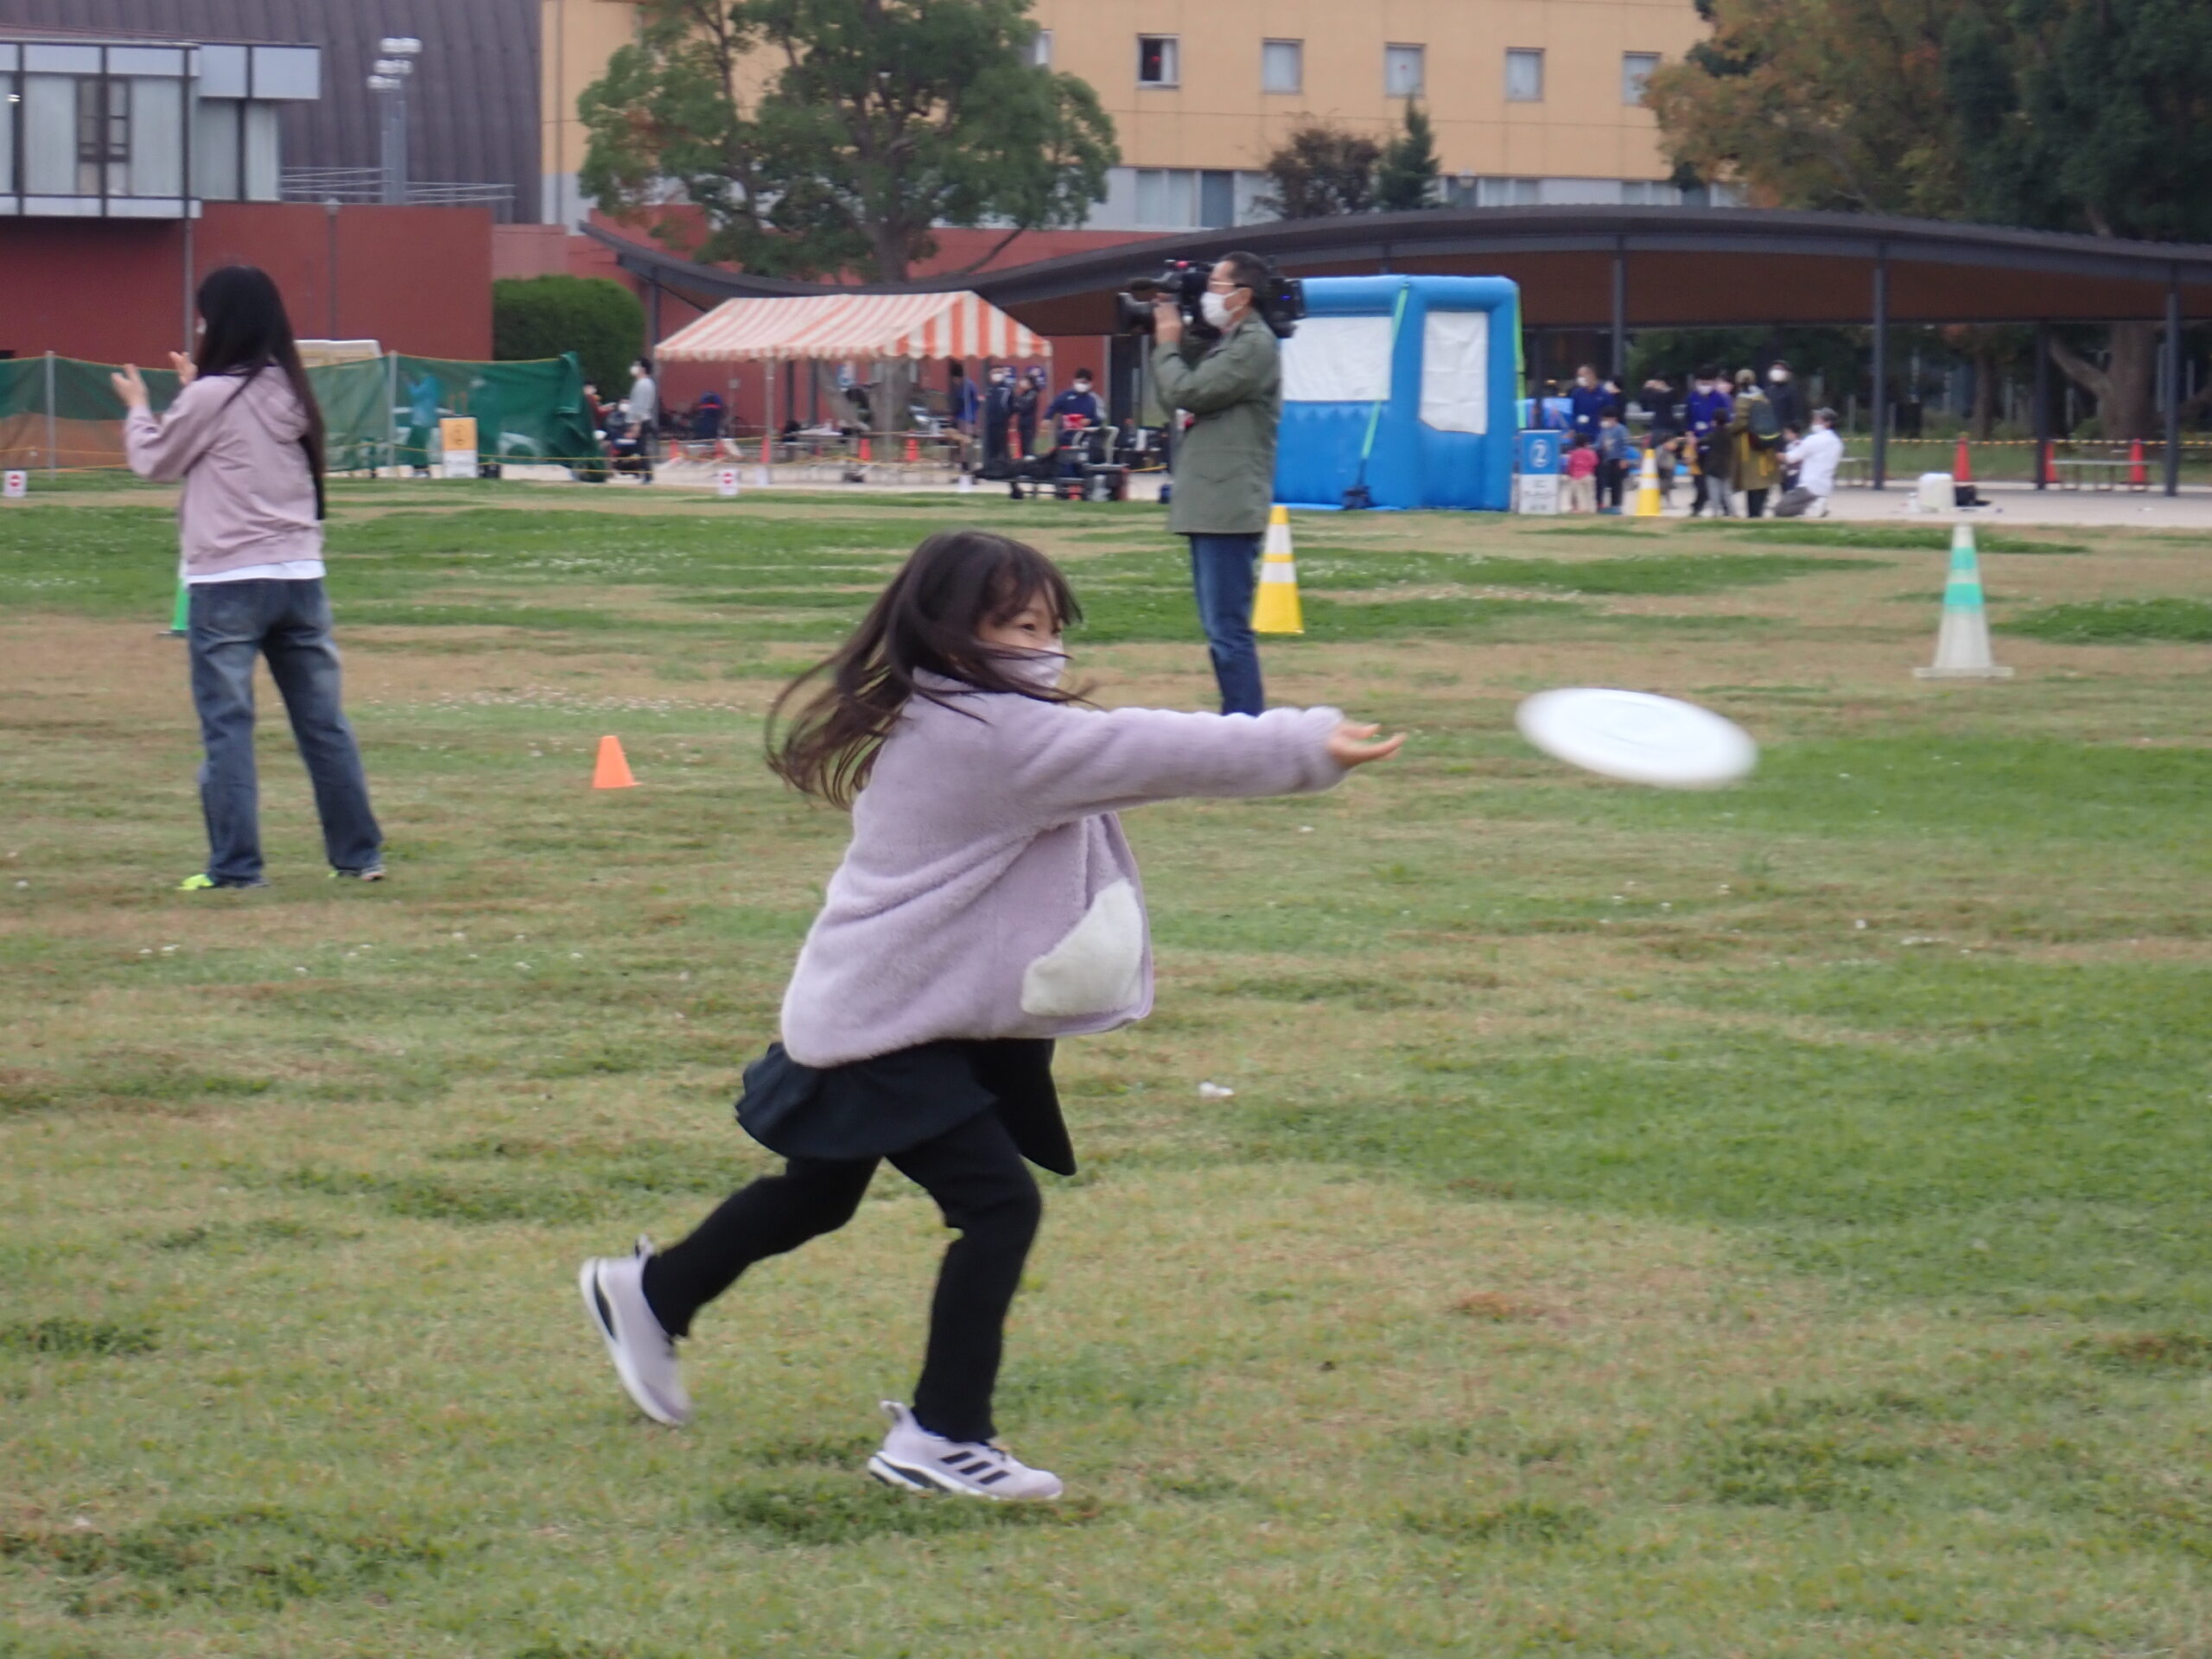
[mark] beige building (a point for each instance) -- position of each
(1533, 100)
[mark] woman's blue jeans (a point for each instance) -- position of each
(288, 622)
(1224, 570)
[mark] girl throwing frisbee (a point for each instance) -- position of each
(987, 905)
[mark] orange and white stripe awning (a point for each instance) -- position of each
(854, 326)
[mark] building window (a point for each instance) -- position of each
(1403, 71)
(103, 136)
(1508, 193)
(1158, 61)
(1636, 70)
(1040, 50)
(1217, 199)
(1283, 66)
(1167, 197)
(1650, 192)
(1524, 77)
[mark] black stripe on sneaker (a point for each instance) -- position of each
(996, 1474)
(598, 1304)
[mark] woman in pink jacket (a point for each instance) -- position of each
(246, 437)
(988, 904)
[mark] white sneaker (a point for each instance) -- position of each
(919, 1461)
(644, 1354)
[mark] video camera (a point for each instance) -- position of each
(1281, 300)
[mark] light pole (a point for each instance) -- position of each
(392, 70)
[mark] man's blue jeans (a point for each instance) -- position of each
(288, 622)
(1223, 569)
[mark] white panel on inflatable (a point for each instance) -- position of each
(1455, 371)
(1338, 360)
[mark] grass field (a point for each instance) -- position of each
(1765, 1223)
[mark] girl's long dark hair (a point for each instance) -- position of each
(924, 622)
(248, 330)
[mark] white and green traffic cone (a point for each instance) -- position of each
(1962, 643)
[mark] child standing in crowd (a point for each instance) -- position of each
(1581, 475)
(986, 906)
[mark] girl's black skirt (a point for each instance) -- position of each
(876, 1107)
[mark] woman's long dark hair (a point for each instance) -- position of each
(247, 330)
(924, 622)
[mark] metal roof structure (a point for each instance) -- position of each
(473, 114)
(1582, 267)
(943, 324)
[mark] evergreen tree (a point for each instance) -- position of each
(1409, 177)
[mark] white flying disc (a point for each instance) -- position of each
(1637, 737)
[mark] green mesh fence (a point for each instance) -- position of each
(61, 413)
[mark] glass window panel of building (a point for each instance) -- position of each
(1636, 70)
(1404, 71)
(1283, 66)
(1524, 77)
(1158, 61)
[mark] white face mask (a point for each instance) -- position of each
(1083, 385)
(1778, 375)
(1216, 309)
(1041, 669)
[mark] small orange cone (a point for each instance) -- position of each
(613, 771)
(767, 457)
(1962, 466)
(867, 454)
(2050, 466)
(2138, 477)
(913, 449)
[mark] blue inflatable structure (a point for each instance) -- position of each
(1419, 374)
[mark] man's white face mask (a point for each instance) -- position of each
(1216, 309)
(1778, 375)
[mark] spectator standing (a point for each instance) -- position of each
(1074, 415)
(1706, 413)
(998, 419)
(246, 437)
(1814, 456)
(644, 415)
(1614, 450)
(1585, 401)
(1755, 458)
(961, 401)
(1581, 474)
(1028, 396)
(1225, 462)
(1786, 396)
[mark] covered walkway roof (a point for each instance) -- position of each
(1622, 268)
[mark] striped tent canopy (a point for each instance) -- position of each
(853, 325)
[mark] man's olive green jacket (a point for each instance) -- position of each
(1225, 459)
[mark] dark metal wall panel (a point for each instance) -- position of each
(473, 111)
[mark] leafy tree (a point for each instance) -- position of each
(2082, 115)
(1409, 175)
(1321, 172)
(543, 316)
(875, 121)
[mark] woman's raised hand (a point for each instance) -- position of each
(185, 367)
(1349, 745)
(129, 387)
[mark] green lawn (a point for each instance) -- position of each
(1769, 1223)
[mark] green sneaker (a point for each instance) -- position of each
(204, 882)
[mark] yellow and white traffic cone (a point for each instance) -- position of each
(1274, 608)
(1648, 505)
(1962, 642)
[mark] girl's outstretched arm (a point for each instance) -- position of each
(1063, 763)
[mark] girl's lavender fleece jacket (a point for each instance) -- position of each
(989, 890)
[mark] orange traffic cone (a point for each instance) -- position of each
(914, 448)
(867, 454)
(1962, 464)
(767, 458)
(613, 771)
(2139, 478)
(2049, 475)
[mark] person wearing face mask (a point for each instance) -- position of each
(1706, 413)
(1783, 391)
(998, 420)
(1028, 394)
(1074, 416)
(1231, 387)
(1588, 400)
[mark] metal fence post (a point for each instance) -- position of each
(1882, 369)
(2170, 382)
(53, 450)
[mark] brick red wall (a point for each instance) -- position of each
(418, 279)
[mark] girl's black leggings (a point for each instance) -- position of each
(982, 1187)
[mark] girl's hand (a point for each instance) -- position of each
(128, 387)
(185, 367)
(1348, 745)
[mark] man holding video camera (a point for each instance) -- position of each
(1225, 459)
